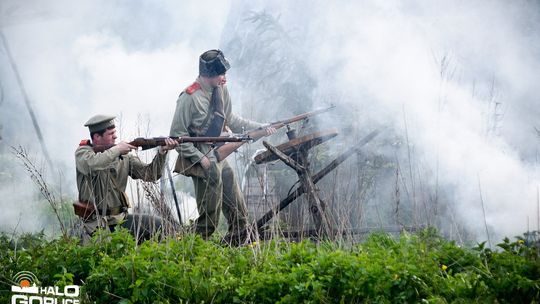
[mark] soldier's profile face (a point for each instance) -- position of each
(218, 80)
(108, 138)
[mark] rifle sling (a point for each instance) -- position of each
(216, 106)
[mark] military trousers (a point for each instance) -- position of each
(219, 191)
(141, 226)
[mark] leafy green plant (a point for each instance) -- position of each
(421, 267)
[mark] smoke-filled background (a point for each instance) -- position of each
(451, 84)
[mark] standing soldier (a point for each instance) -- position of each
(102, 179)
(204, 109)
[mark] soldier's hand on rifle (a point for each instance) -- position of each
(169, 145)
(205, 163)
(124, 147)
(270, 130)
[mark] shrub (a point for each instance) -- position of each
(412, 268)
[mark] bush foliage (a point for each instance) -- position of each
(383, 269)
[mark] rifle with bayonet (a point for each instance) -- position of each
(227, 149)
(149, 143)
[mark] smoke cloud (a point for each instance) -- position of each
(454, 81)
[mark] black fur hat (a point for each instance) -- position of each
(213, 63)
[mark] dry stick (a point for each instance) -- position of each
(403, 181)
(173, 189)
(537, 208)
(15, 229)
(39, 180)
(26, 100)
(415, 215)
(397, 197)
(454, 224)
(322, 221)
(436, 199)
(316, 178)
(1, 94)
(286, 159)
(377, 208)
(445, 76)
(1, 101)
(359, 188)
(346, 206)
(423, 191)
(298, 235)
(158, 203)
(437, 145)
(483, 210)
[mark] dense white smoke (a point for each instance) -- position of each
(457, 79)
(78, 59)
(460, 77)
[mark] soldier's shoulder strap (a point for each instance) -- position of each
(193, 88)
(85, 142)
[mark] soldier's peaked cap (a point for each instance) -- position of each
(99, 122)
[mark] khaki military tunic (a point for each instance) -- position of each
(216, 188)
(192, 111)
(102, 179)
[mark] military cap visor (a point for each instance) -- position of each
(100, 122)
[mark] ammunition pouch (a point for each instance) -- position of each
(84, 210)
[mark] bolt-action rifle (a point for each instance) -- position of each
(227, 149)
(149, 143)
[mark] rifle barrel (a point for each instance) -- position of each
(212, 139)
(302, 116)
(148, 143)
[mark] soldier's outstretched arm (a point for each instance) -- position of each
(147, 172)
(154, 170)
(88, 161)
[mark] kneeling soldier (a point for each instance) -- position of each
(102, 179)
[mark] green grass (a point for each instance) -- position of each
(383, 269)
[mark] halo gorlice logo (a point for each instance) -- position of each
(27, 292)
(25, 280)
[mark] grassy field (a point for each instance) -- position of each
(422, 267)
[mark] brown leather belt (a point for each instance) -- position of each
(87, 212)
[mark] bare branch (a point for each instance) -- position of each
(37, 177)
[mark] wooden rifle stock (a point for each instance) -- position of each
(227, 149)
(148, 143)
